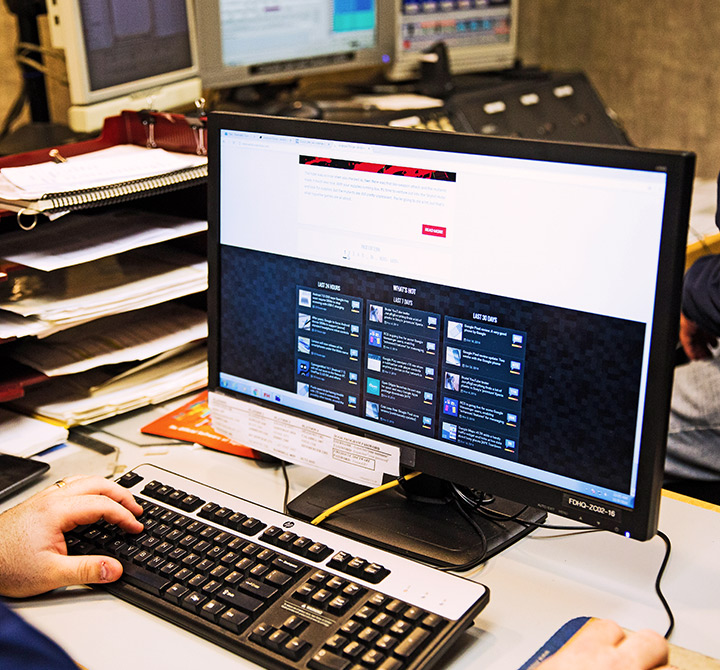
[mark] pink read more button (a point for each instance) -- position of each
(435, 231)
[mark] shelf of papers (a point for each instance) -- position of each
(102, 308)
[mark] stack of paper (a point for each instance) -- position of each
(25, 436)
(70, 296)
(99, 394)
(132, 336)
(88, 235)
(107, 175)
(13, 325)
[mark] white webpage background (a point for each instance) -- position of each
(578, 237)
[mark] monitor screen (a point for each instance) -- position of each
(125, 54)
(504, 310)
(479, 36)
(243, 42)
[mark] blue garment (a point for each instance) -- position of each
(701, 293)
(693, 447)
(23, 647)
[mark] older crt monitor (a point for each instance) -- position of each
(478, 34)
(504, 311)
(124, 54)
(244, 42)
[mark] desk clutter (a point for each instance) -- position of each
(103, 271)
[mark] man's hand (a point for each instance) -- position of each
(603, 645)
(696, 341)
(33, 554)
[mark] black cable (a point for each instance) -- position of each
(658, 579)
(476, 527)
(495, 515)
(14, 112)
(286, 496)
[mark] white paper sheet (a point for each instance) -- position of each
(24, 436)
(133, 336)
(68, 400)
(113, 165)
(87, 236)
(350, 457)
(78, 294)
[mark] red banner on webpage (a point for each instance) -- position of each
(378, 168)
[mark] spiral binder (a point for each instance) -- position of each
(173, 132)
(104, 195)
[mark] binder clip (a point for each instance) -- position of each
(198, 123)
(148, 121)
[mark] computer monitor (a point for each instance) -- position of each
(479, 35)
(246, 42)
(501, 312)
(125, 54)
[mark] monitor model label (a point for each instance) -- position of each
(304, 442)
(592, 507)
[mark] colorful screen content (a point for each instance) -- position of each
(269, 35)
(458, 23)
(494, 309)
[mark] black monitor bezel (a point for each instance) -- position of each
(640, 522)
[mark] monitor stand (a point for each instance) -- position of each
(429, 529)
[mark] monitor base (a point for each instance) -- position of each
(428, 530)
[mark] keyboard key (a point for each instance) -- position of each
(327, 660)
(288, 565)
(390, 664)
(176, 593)
(241, 601)
(372, 658)
(144, 579)
(294, 648)
(129, 479)
(277, 639)
(374, 573)
(411, 643)
(211, 609)
(193, 601)
(318, 552)
(261, 632)
(257, 589)
(278, 578)
(233, 620)
(251, 526)
(208, 510)
(294, 624)
(190, 503)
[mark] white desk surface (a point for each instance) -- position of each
(535, 586)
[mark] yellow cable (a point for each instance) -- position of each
(365, 494)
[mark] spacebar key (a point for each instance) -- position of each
(144, 579)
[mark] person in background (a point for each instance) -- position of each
(693, 452)
(34, 560)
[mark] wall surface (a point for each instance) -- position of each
(10, 78)
(656, 63)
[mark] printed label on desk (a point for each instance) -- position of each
(356, 459)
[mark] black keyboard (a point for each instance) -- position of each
(278, 591)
